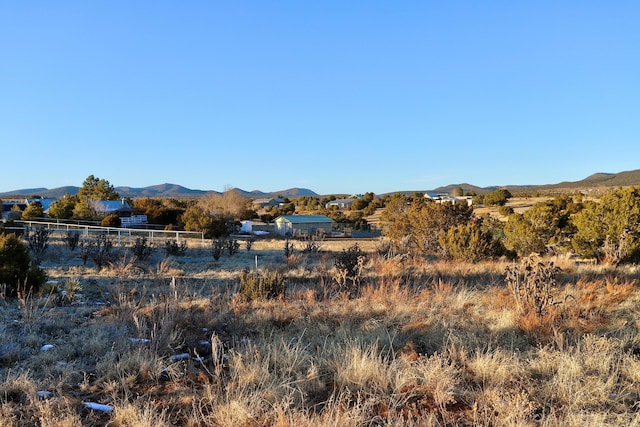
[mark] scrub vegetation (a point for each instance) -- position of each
(449, 319)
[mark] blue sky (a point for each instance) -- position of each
(334, 96)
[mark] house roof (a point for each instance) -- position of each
(300, 219)
(268, 200)
(341, 201)
(110, 205)
(44, 202)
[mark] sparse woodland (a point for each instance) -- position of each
(450, 319)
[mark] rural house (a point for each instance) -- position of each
(127, 214)
(267, 203)
(12, 210)
(45, 203)
(445, 198)
(341, 203)
(303, 225)
(106, 207)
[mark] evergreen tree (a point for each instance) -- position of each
(614, 219)
(63, 207)
(33, 211)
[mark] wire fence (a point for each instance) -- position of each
(123, 235)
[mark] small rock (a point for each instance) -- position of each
(43, 394)
(46, 347)
(181, 356)
(98, 406)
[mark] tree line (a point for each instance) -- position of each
(607, 229)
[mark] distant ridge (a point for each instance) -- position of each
(155, 191)
(598, 181)
(25, 192)
(160, 190)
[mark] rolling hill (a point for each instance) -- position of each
(154, 191)
(597, 182)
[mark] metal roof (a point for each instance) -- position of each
(105, 206)
(298, 219)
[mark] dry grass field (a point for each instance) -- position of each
(170, 341)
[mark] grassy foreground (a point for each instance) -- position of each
(171, 342)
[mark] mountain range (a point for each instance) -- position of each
(598, 181)
(154, 191)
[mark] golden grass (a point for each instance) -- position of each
(425, 343)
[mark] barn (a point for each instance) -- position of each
(303, 225)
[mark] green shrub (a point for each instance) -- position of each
(141, 248)
(38, 242)
(65, 293)
(505, 210)
(249, 243)
(98, 250)
(497, 197)
(173, 248)
(33, 211)
(232, 246)
(269, 284)
(17, 274)
(217, 246)
(289, 248)
(111, 220)
(71, 239)
(470, 243)
(349, 270)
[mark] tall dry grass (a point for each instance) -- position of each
(426, 342)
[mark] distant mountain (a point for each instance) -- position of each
(597, 182)
(154, 191)
(294, 192)
(621, 179)
(25, 192)
(467, 188)
(161, 190)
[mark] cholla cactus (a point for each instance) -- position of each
(531, 284)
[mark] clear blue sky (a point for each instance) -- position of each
(334, 96)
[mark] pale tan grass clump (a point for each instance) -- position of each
(436, 377)
(592, 419)
(139, 413)
(360, 367)
(582, 377)
(17, 392)
(599, 305)
(129, 367)
(58, 412)
(169, 267)
(495, 368)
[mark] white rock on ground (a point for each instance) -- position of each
(98, 406)
(43, 394)
(181, 356)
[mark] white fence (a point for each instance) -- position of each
(122, 234)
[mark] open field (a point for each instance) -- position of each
(170, 341)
